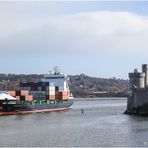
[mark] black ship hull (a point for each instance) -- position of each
(12, 109)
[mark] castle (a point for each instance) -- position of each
(137, 102)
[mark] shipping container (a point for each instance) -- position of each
(25, 88)
(51, 97)
(35, 88)
(40, 88)
(32, 88)
(24, 92)
(47, 88)
(22, 98)
(12, 93)
(17, 98)
(63, 95)
(57, 97)
(43, 88)
(51, 88)
(18, 93)
(29, 98)
(47, 97)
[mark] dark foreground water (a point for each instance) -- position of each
(101, 124)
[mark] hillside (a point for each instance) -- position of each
(86, 86)
(80, 85)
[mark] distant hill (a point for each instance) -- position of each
(86, 86)
(80, 85)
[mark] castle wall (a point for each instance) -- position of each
(137, 103)
(130, 102)
(139, 98)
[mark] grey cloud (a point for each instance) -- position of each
(118, 33)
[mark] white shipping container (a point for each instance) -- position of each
(51, 90)
(52, 93)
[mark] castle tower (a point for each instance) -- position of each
(145, 70)
(137, 79)
(137, 102)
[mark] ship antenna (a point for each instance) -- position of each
(56, 70)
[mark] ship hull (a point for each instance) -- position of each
(12, 109)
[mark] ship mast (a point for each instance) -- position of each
(56, 70)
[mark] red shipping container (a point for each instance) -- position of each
(57, 96)
(60, 93)
(36, 88)
(17, 98)
(12, 93)
(65, 97)
(24, 92)
(29, 98)
(65, 93)
(52, 97)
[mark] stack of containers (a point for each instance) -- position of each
(37, 90)
(41, 90)
(38, 95)
(57, 93)
(21, 95)
(50, 92)
(63, 95)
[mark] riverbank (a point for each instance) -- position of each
(105, 98)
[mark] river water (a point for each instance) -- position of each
(101, 124)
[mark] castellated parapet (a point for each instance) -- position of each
(137, 102)
(137, 80)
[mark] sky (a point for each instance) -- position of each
(98, 38)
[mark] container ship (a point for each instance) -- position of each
(50, 94)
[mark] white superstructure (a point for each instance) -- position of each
(57, 79)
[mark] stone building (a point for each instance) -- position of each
(137, 102)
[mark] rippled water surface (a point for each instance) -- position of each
(101, 124)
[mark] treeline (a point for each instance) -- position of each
(20, 77)
(86, 86)
(80, 85)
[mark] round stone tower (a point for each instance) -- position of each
(137, 79)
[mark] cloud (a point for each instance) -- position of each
(90, 33)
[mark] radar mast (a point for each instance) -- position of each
(56, 70)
